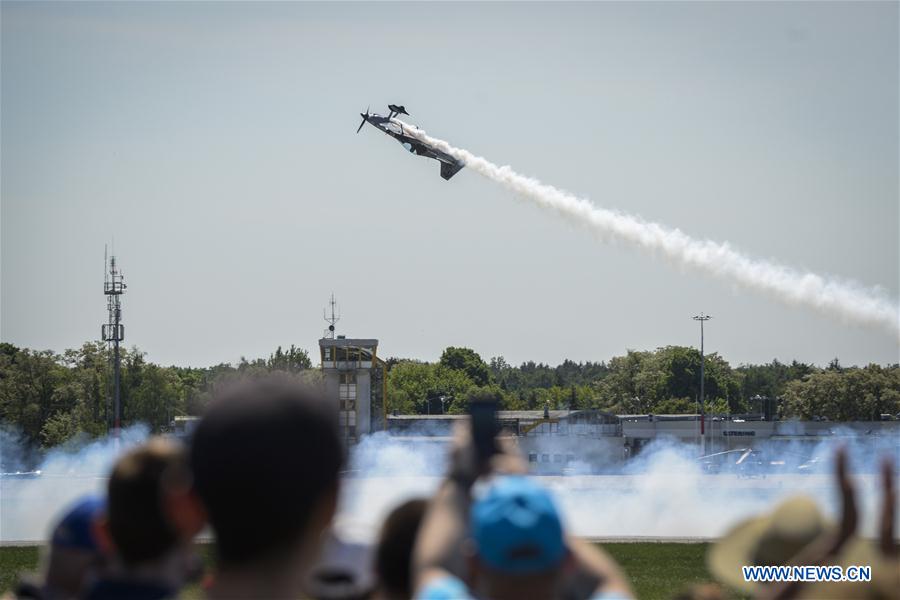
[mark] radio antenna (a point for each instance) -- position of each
(113, 332)
(331, 319)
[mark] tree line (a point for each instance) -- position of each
(50, 399)
(661, 381)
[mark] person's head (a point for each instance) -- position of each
(393, 554)
(74, 550)
(518, 544)
(266, 459)
(143, 496)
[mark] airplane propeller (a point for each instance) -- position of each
(365, 117)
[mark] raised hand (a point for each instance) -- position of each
(889, 501)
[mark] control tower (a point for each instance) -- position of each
(355, 378)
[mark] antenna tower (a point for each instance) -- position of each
(113, 332)
(331, 319)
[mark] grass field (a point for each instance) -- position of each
(656, 570)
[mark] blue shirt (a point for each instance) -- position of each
(452, 588)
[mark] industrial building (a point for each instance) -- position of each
(725, 433)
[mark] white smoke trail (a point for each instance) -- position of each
(847, 300)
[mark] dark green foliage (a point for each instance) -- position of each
(844, 394)
(663, 381)
(416, 387)
(769, 380)
(292, 361)
(49, 399)
(667, 381)
(469, 362)
(531, 375)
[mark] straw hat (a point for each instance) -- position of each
(776, 538)
(885, 584)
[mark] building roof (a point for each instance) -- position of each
(421, 417)
(675, 417)
(506, 414)
(340, 342)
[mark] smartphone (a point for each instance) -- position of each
(484, 429)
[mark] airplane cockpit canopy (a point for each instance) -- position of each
(393, 127)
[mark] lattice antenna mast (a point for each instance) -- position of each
(113, 331)
(331, 319)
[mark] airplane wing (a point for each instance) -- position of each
(449, 165)
(744, 456)
(723, 453)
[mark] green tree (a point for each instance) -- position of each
(292, 361)
(59, 428)
(29, 381)
(469, 362)
(844, 394)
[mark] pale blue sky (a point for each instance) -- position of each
(216, 141)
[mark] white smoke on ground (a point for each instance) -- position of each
(383, 472)
(661, 493)
(664, 492)
(30, 504)
(847, 300)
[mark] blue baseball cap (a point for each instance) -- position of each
(76, 528)
(517, 527)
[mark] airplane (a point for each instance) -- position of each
(450, 166)
(751, 462)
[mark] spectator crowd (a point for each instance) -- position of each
(262, 474)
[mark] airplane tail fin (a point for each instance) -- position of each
(448, 170)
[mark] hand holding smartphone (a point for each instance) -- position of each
(484, 429)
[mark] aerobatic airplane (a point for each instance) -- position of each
(449, 165)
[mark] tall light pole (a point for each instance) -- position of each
(702, 318)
